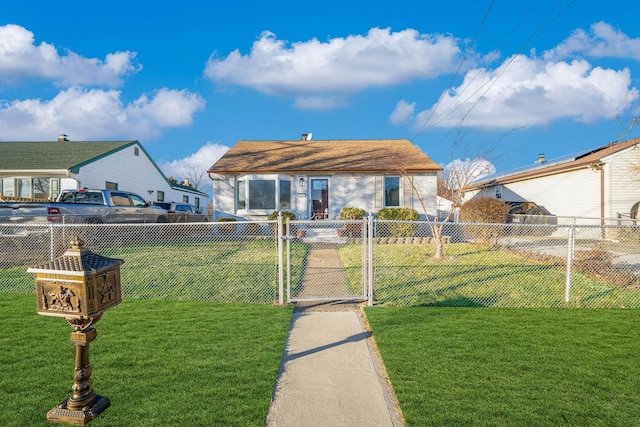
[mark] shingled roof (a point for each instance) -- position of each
(554, 166)
(324, 156)
(55, 155)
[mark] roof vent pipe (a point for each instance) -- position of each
(62, 137)
(540, 158)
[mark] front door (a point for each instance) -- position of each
(319, 196)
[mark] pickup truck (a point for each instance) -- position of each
(85, 206)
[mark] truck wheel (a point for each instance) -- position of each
(162, 219)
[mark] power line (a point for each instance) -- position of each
(541, 28)
(466, 54)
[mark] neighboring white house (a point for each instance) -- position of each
(600, 183)
(315, 179)
(42, 169)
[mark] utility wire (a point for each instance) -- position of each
(535, 34)
(466, 54)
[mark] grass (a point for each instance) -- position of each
(161, 363)
(221, 271)
(474, 275)
(165, 363)
(246, 272)
(511, 367)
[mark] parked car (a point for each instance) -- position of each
(85, 206)
(182, 212)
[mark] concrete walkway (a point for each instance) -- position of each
(330, 374)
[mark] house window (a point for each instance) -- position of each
(40, 188)
(264, 194)
(136, 151)
(196, 202)
(498, 192)
(23, 187)
(111, 185)
(392, 191)
(160, 196)
(7, 187)
(185, 199)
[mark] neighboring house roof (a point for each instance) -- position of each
(55, 155)
(324, 156)
(554, 166)
(60, 157)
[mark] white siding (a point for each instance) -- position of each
(132, 173)
(223, 196)
(355, 190)
(575, 193)
(622, 182)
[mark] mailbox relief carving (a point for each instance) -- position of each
(107, 291)
(60, 298)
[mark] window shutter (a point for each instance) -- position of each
(379, 192)
(408, 192)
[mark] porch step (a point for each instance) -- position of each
(329, 235)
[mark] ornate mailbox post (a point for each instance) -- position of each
(79, 286)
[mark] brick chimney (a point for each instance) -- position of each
(62, 137)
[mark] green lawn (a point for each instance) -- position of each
(166, 363)
(219, 271)
(161, 363)
(512, 367)
(478, 276)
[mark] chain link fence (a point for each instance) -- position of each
(569, 263)
(223, 262)
(507, 265)
(318, 260)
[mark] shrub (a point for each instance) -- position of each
(354, 229)
(351, 213)
(398, 229)
(286, 214)
(486, 210)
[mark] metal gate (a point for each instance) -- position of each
(327, 260)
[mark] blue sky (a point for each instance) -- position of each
(502, 79)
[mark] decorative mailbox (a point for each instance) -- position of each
(79, 286)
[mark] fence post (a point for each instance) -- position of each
(570, 253)
(370, 259)
(52, 243)
(280, 239)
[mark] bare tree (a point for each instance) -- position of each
(196, 175)
(456, 176)
(629, 124)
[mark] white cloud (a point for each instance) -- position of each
(602, 41)
(337, 67)
(196, 164)
(21, 58)
(403, 112)
(461, 172)
(98, 114)
(530, 91)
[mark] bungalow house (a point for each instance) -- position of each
(40, 170)
(315, 179)
(599, 183)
